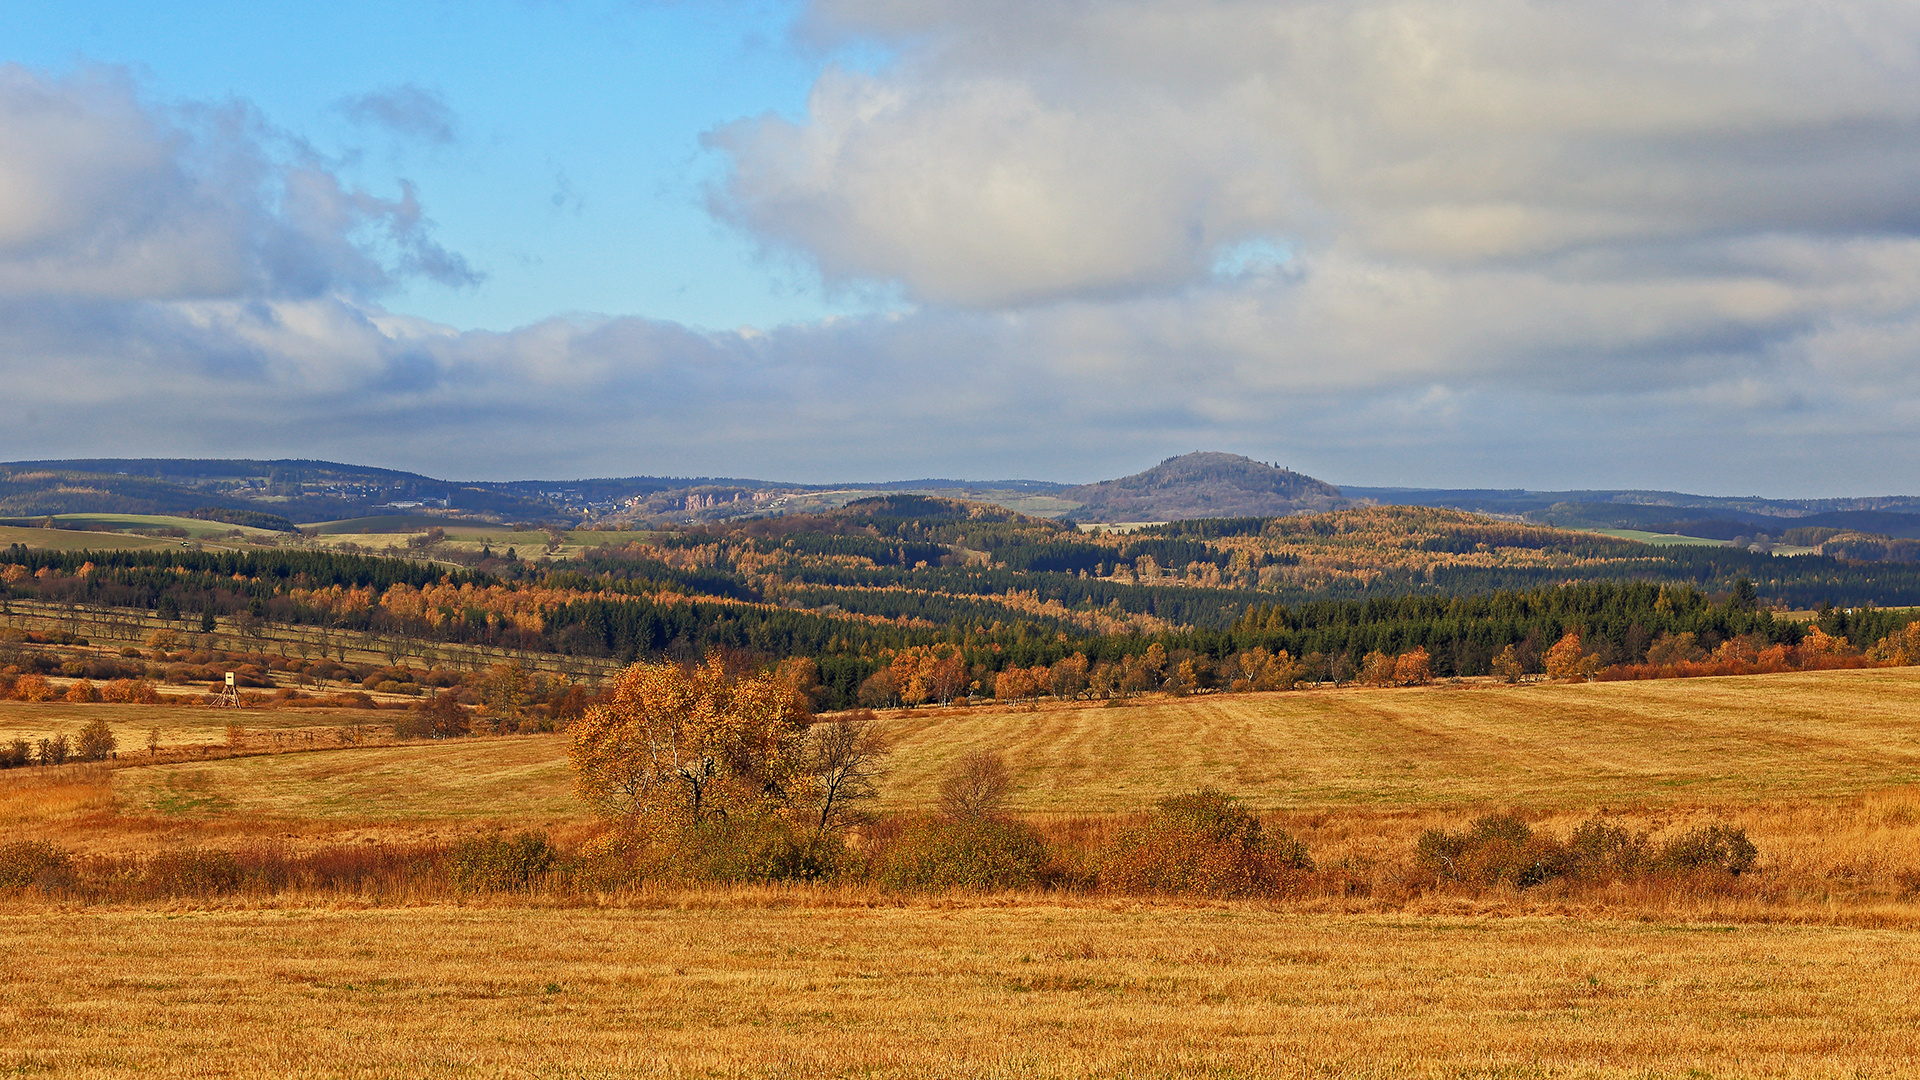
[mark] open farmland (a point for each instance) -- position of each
(1033, 990)
(79, 540)
(1809, 737)
(1808, 968)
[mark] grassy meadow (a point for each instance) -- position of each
(79, 540)
(1806, 968)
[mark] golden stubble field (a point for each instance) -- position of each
(1812, 974)
(1034, 989)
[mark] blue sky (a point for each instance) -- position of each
(573, 177)
(1640, 243)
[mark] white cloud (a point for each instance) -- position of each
(1501, 243)
(104, 196)
(1016, 153)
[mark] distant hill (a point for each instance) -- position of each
(1633, 509)
(296, 490)
(1203, 485)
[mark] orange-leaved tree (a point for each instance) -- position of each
(674, 747)
(1568, 659)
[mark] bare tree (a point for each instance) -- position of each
(846, 757)
(977, 786)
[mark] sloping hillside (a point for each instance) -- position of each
(1204, 485)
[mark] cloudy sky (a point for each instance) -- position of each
(1540, 243)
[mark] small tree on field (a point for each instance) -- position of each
(1568, 660)
(1507, 665)
(55, 751)
(977, 786)
(1413, 668)
(504, 695)
(845, 758)
(96, 742)
(674, 747)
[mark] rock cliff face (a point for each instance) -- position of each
(1203, 485)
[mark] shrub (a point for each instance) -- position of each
(192, 872)
(976, 786)
(96, 741)
(33, 687)
(965, 853)
(1499, 849)
(15, 754)
(55, 751)
(501, 864)
(440, 717)
(1599, 851)
(1709, 847)
(758, 847)
(1204, 843)
(29, 863)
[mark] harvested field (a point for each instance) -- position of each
(1035, 989)
(1799, 735)
(1804, 967)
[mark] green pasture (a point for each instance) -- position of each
(195, 528)
(75, 540)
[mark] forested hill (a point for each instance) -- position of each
(856, 588)
(1203, 485)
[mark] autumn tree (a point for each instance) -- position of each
(504, 695)
(1506, 665)
(844, 760)
(1013, 685)
(1068, 677)
(1677, 648)
(926, 673)
(1379, 668)
(673, 747)
(439, 717)
(1569, 660)
(977, 786)
(879, 691)
(96, 742)
(1413, 668)
(1184, 680)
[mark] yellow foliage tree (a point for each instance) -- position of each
(1902, 647)
(673, 747)
(1413, 668)
(1507, 665)
(1379, 668)
(1569, 660)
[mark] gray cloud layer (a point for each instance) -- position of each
(1664, 244)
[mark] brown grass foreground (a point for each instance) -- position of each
(748, 988)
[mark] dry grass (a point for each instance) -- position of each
(189, 725)
(1032, 990)
(523, 780)
(1803, 735)
(1805, 968)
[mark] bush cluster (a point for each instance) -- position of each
(32, 863)
(502, 863)
(1201, 844)
(980, 852)
(1204, 843)
(1501, 849)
